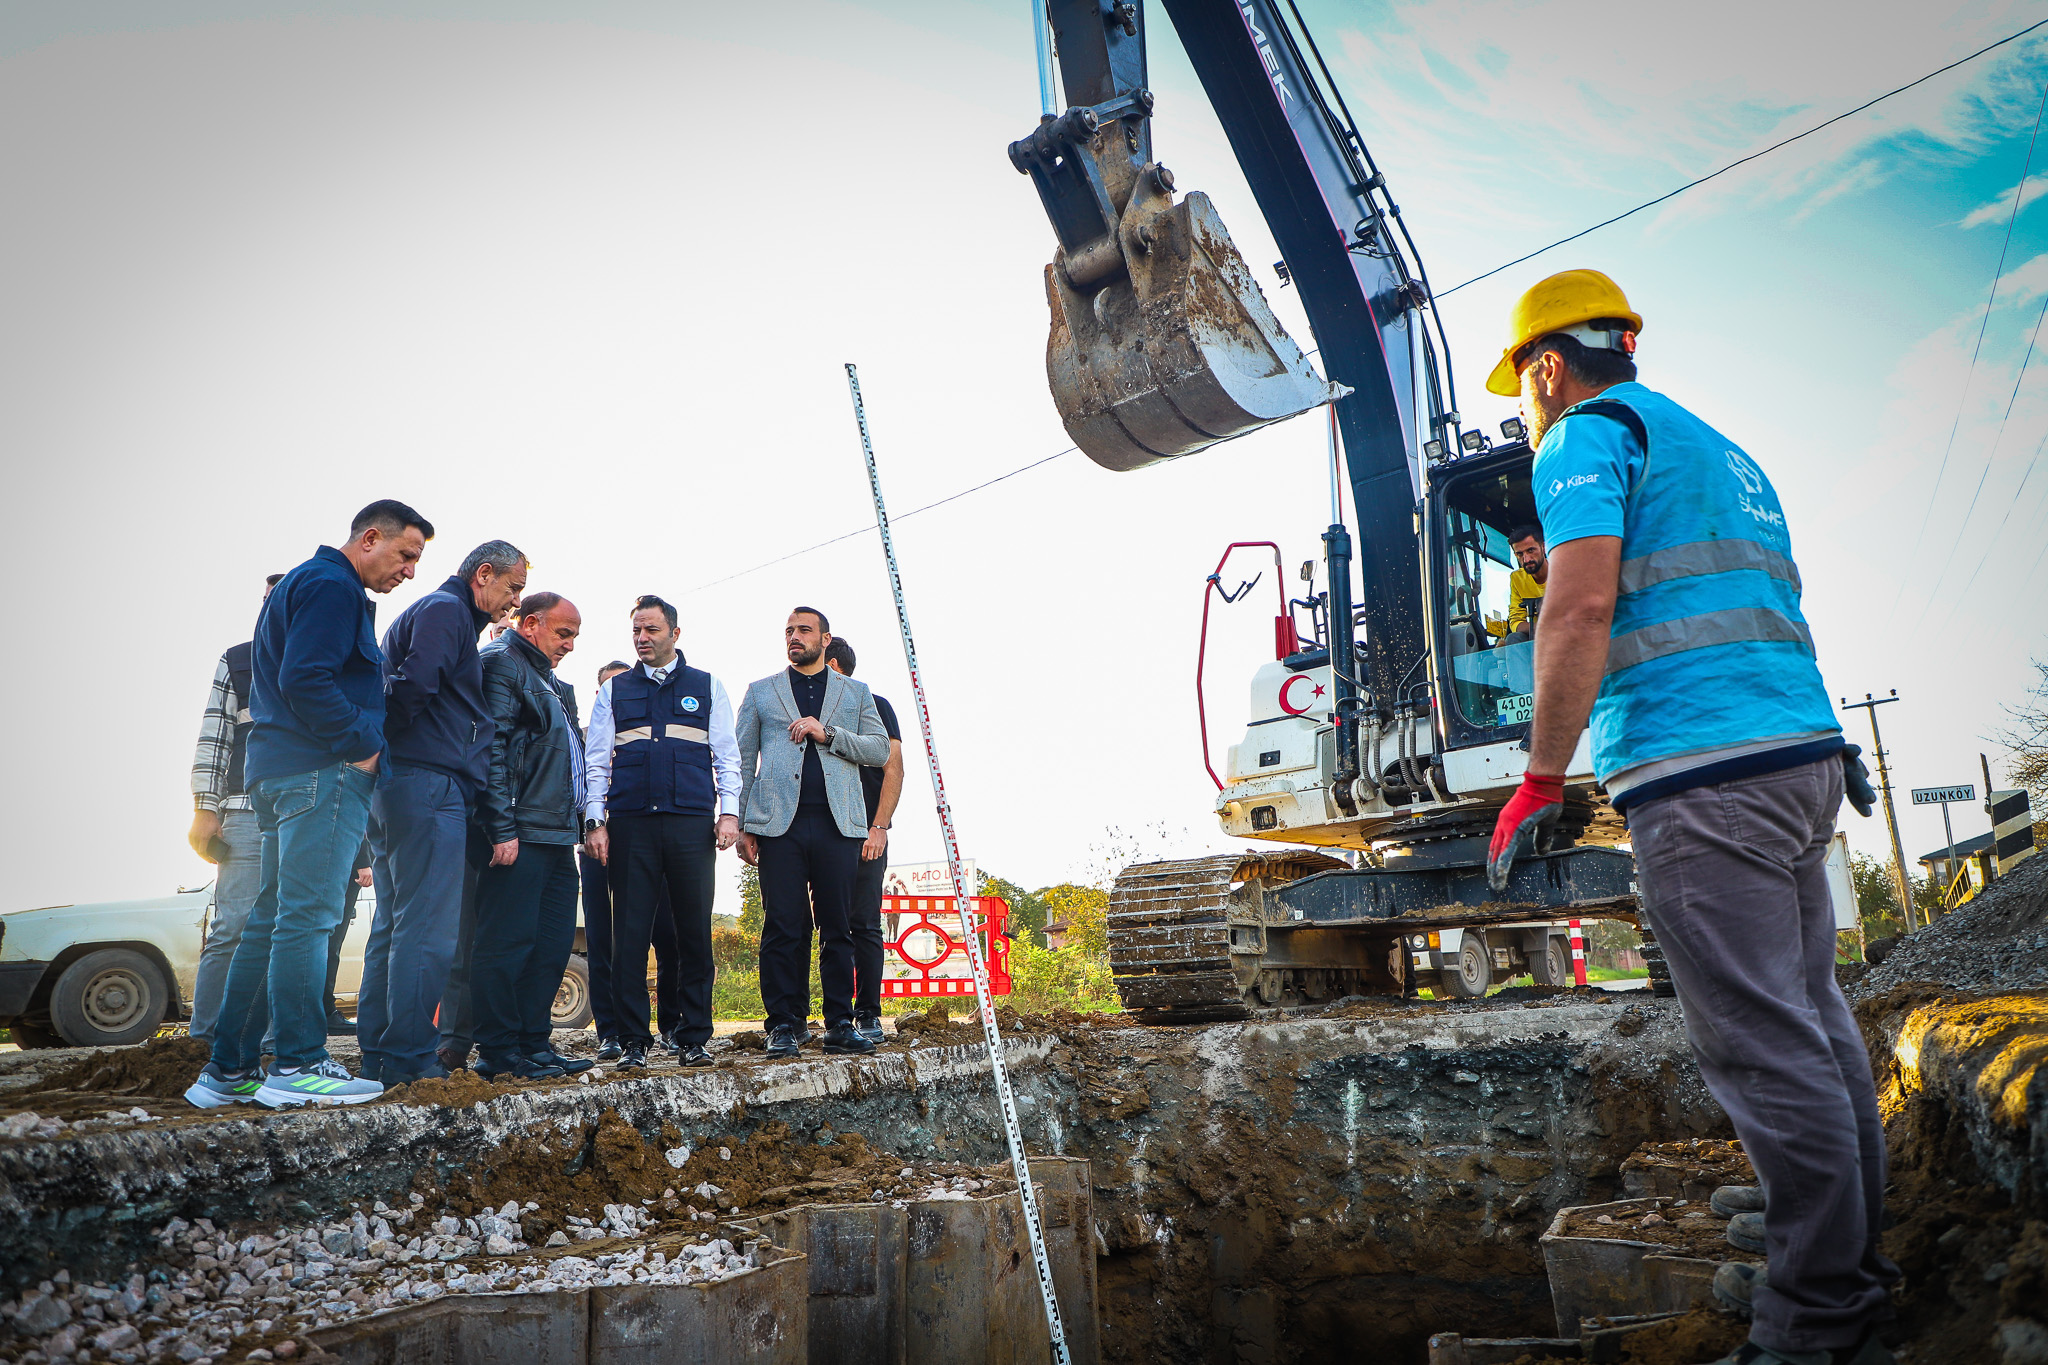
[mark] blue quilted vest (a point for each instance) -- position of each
(661, 750)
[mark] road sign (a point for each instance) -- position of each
(1941, 796)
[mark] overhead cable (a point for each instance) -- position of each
(1963, 399)
(863, 530)
(1741, 161)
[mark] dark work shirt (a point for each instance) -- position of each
(871, 778)
(809, 690)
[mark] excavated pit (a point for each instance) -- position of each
(1341, 1183)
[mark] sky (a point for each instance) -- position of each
(587, 280)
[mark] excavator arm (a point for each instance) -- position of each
(1162, 343)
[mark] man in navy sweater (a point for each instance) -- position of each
(438, 734)
(317, 703)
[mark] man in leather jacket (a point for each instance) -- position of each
(531, 815)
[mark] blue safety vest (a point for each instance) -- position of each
(1708, 650)
(661, 750)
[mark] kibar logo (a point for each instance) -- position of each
(1267, 58)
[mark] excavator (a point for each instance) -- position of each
(1391, 724)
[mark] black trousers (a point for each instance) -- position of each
(867, 934)
(597, 940)
(525, 927)
(807, 877)
(662, 864)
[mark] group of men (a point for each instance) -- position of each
(446, 765)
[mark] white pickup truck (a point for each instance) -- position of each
(115, 972)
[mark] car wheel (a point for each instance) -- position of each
(108, 998)
(28, 1036)
(572, 998)
(1468, 975)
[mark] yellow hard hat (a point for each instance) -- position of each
(1555, 305)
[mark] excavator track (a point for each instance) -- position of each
(1170, 931)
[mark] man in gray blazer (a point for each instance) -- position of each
(804, 735)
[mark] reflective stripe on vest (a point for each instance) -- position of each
(1705, 557)
(1736, 625)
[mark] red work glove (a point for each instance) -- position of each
(1532, 811)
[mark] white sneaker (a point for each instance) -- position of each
(327, 1083)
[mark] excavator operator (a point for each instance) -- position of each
(1525, 584)
(1672, 623)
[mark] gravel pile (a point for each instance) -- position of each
(218, 1296)
(1996, 942)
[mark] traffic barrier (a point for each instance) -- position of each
(1578, 954)
(2012, 828)
(925, 956)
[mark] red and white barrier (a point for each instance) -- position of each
(922, 954)
(1578, 954)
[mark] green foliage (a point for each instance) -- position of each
(750, 901)
(1070, 978)
(1877, 897)
(1027, 908)
(1085, 912)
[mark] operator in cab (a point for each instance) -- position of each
(1672, 627)
(1525, 584)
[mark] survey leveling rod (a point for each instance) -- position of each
(991, 1032)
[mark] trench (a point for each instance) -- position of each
(1346, 1182)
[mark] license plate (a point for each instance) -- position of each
(1515, 710)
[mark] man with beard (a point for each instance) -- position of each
(805, 733)
(1671, 619)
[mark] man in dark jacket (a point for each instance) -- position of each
(440, 742)
(531, 813)
(317, 707)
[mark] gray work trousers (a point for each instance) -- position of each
(1734, 884)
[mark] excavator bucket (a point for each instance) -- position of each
(1176, 352)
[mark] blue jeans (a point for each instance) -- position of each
(235, 887)
(419, 829)
(312, 824)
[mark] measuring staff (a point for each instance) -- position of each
(1671, 618)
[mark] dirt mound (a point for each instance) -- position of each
(160, 1069)
(1702, 1334)
(1999, 941)
(459, 1091)
(1682, 1227)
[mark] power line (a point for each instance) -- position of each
(1963, 400)
(1745, 160)
(1996, 441)
(861, 531)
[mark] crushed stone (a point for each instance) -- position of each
(1995, 942)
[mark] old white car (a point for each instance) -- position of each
(115, 972)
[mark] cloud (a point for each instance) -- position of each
(2000, 209)
(2024, 282)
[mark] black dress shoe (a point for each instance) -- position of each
(515, 1068)
(454, 1058)
(608, 1050)
(393, 1076)
(695, 1055)
(667, 1043)
(340, 1025)
(842, 1038)
(784, 1040)
(632, 1056)
(568, 1066)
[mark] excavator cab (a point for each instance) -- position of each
(1488, 679)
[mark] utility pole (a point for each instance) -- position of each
(1900, 881)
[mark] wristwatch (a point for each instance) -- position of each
(831, 734)
(590, 825)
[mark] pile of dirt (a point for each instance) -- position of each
(460, 1090)
(1683, 1227)
(610, 1162)
(1689, 1338)
(160, 1069)
(1692, 1169)
(1999, 941)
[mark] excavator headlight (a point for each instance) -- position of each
(1472, 441)
(1433, 449)
(1514, 429)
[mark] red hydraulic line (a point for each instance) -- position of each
(1283, 630)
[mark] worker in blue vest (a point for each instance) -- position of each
(661, 802)
(1671, 625)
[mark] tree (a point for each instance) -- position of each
(751, 914)
(1027, 908)
(2026, 740)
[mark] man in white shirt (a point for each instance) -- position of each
(662, 799)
